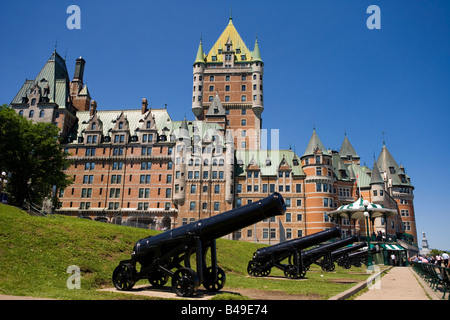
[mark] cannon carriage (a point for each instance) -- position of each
(265, 259)
(168, 255)
(323, 256)
(341, 256)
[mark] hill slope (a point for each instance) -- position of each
(36, 252)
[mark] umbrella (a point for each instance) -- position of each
(356, 210)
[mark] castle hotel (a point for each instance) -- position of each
(141, 168)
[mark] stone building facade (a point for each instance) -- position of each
(141, 168)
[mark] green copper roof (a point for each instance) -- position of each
(256, 54)
(347, 149)
(54, 73)
(313, 144)
(267, 161)
(376, 175)
(200, 58)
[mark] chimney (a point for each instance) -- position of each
(93, 108)
(79, 69)
(144, 105)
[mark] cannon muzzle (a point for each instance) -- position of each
(220, 225)
(300, 243)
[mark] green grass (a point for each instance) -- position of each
(35, 253)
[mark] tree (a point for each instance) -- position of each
(31, 155)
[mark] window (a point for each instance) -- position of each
(211, 78)
(243, 98)
(243, 87)
(216, 206)
(318, 171)
(243, 122)
(227, 78)
(298, 188)
(227, 88)
(192, 205)
(41, 114)
(288, 217)
(144, 193)
(31, 114)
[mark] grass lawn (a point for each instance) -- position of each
(35, 253)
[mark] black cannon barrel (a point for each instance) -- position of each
(222, 224)
(300, 243)
(343, 251)
(330, 246)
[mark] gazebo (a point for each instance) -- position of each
(363, 210)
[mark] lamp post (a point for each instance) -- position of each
(366, 214)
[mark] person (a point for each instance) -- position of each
(445, 259)
(393, 259)
(438, 260)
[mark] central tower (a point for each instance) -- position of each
(229, 80)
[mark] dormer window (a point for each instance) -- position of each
(120, 125)
(93, 126)
(148, 124)
(33, 101)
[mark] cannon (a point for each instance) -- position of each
(322, 254)
(341, 255)
(265, 258)
(168, 254)
(360, 257)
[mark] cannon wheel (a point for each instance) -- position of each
(291, 271)
(124, 277)
(214, 284)
(184, 282)
(302, 273)
(253, 269)
(157, 278)
(328, 266)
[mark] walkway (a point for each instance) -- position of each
(400, 283)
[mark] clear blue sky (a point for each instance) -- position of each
(323, 68)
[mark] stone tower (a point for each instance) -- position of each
(425, 249)
(232, 74)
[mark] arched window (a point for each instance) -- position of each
(31, 114)
(21, 113)
(41, 114)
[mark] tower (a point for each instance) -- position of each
(425, 249)
(318, 168)
(232, 74)
(79, 92)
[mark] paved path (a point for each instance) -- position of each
(400, 283)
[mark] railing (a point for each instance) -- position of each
(436, 277)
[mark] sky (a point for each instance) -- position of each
(324, 69)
